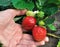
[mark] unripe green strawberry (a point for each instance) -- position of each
(41, 23)
(30, 13)
(40, 14)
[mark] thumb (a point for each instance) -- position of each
(9, 14)
(15, 12)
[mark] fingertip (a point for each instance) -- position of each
(40, 43)
(23, 12)
(27, 36)
(33, 45)
(46, 39)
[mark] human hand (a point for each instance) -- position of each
(27, 41)
(11, 33)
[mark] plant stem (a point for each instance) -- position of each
(16, 19)
(58, 10)
(58, 6)
(53, 35)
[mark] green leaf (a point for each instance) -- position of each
(49, 20)
(53, 1)
(52, 27)
(5, 2)
(23, 4)
(58, 45)
(40, 3)
(58, 2)
(50, 9)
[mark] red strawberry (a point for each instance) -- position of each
(28, 22)
(39, 33)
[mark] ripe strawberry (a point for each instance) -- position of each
(39, 33)
(28, 22)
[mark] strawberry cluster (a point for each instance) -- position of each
(30, 23)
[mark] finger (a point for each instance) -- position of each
(16, 12)
(46, 39)
(43, 41)
(30, 39)
(27, 40)
(26, 45)
(40, 43)
(27, 36)
(22, 45)
(17, 36)
(7, 15)
(32, 45)
(12, 13)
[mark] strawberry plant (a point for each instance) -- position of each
(39, 13)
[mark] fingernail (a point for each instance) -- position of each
(42, 43)
(46, 39)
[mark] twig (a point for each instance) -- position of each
(53, 35)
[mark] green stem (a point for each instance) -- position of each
(58, 6)
(16, 19)
(53, 35)
(58, 10)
